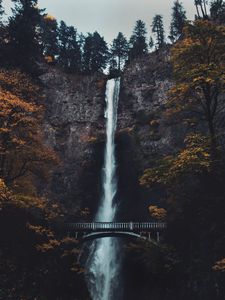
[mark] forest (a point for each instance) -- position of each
(40, 261)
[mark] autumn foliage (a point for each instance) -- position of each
(199, 68)
(27, 216)
(189, 181)
(22, 150)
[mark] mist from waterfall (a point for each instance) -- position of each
(103, 263)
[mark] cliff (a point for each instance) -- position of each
(143, 134)
(74, 127)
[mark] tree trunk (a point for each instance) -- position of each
(206, 14)
(196, 5)
(203, 13)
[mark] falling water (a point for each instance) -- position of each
(103, 263)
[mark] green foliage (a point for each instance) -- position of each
(158, 30)
(95, 53)
(138, 45)
(178, 21)
(217, 10)
(1, 10)
(119, 51)
(49, 36)
(69, 48)
(23, 47)
(201, 8)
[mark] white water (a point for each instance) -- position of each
(103, 263)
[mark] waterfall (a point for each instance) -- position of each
(103, 263)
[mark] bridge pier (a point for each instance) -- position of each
(158, 237)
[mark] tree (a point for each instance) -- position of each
(95, 53)
(178, 20)
(3, 37)
(113, 68)
(158, 30)
(193, 159)
(1, 10)
(217, 10)
(151, 43)
(201, 8)
(22, 150)
(138, 45)
(69, 48)
(49, 37)
(73, 51)
(23, 35)
(199, 70)
(157, 213)
(119, 50)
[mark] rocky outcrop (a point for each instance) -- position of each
(74, 127)
(143, 134)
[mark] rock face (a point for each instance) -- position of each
(74, 127)
(143, 134)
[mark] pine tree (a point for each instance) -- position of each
(201, 8)
(69, 48)
(49, 37)
(2, 36)
(151, 43)
(178, 20)
(158, 30)
(119, 50)
(23, 35)
(138, 45)
(73, 51)
(113, 68)
(217, 10)
(95, 53)
(87, 53)
(1, 10)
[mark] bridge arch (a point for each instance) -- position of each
(120, 234)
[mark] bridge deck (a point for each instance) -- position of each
(115, 226)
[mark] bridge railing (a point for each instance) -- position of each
(130, 226)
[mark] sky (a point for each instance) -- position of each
(109, 17)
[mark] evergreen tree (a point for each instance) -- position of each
(95, 53)
(151, 43)
(138, 45)
(178, 20)
(49, 37)
(2, 36)
(73, 51)
(23, 30)
(1, 10)
(201, 8)
(69, 48)
(158, 30)
(87, 53)
(119, 50)
(113, 68)
(217, 10)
